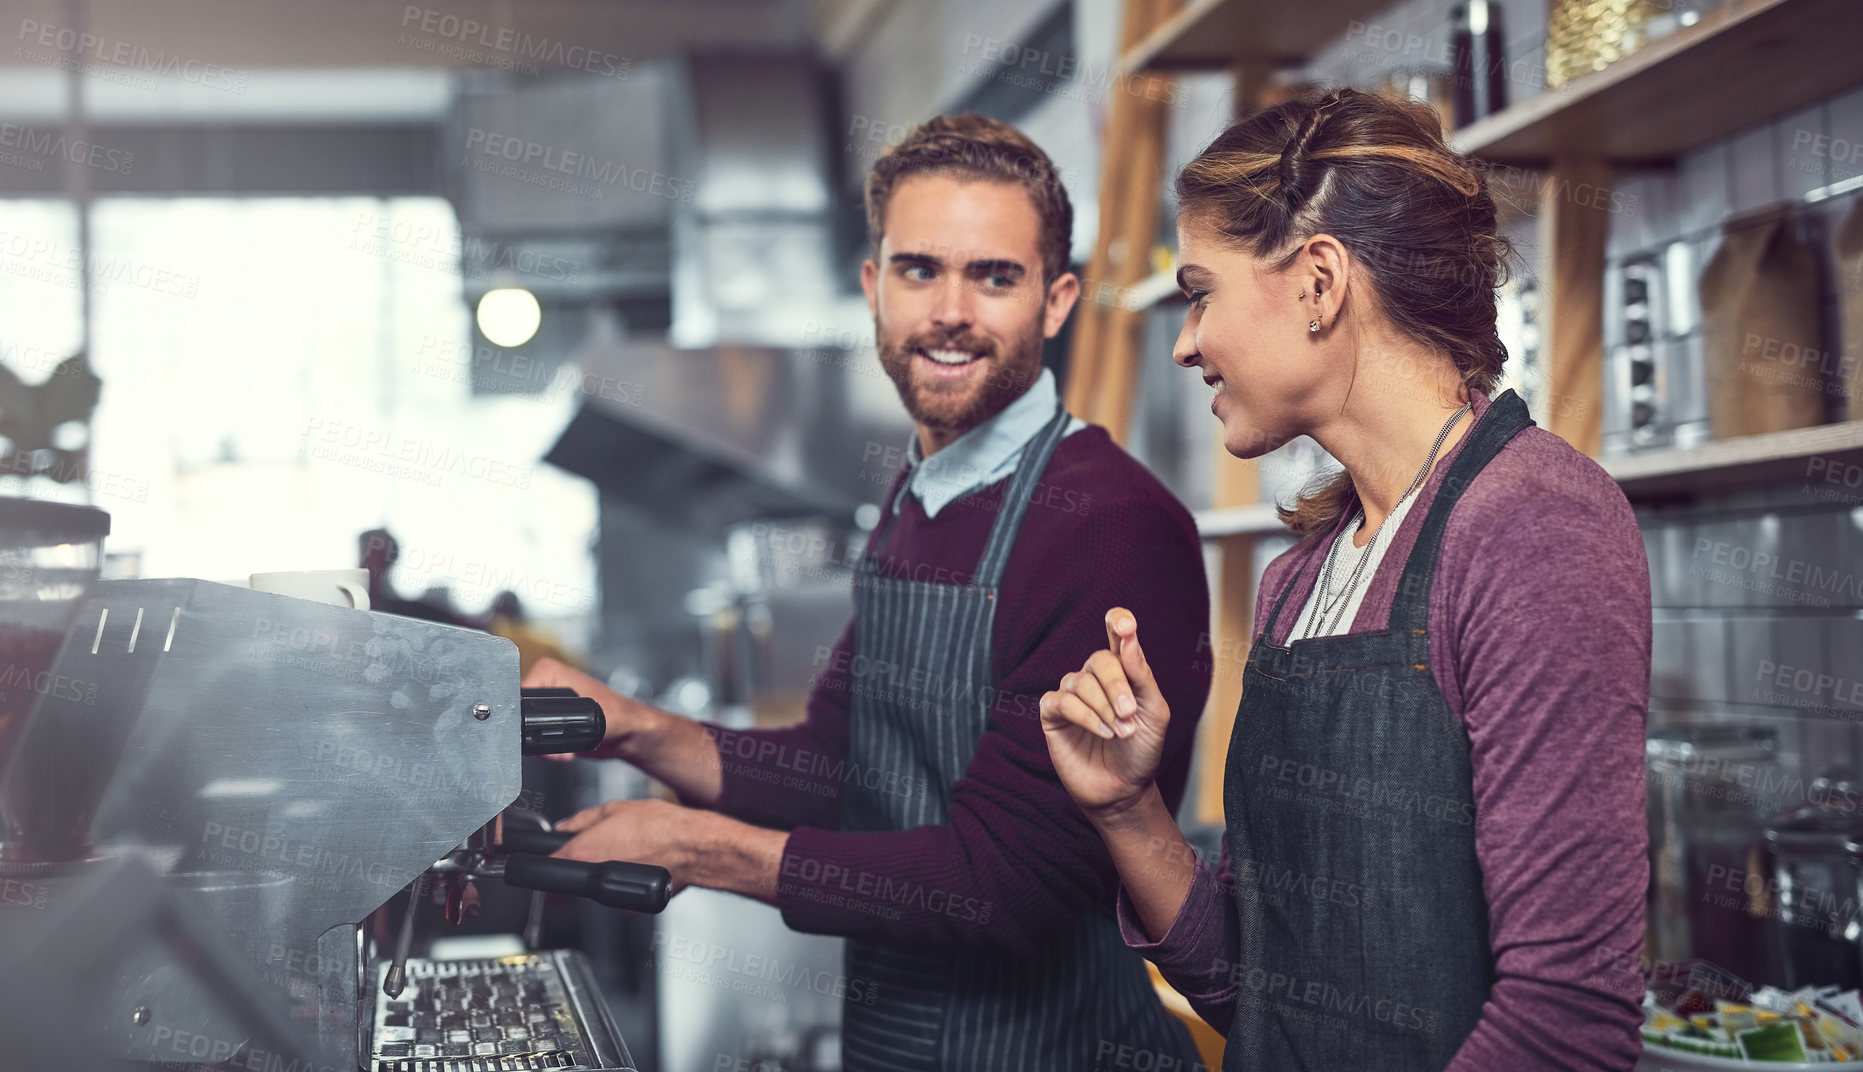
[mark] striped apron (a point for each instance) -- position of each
(1082, 1002)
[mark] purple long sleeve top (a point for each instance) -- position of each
(1539, 625)
(1017, 864)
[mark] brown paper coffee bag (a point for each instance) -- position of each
(1760, 331)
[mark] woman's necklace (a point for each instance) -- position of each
(1323, 607)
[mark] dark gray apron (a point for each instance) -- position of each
(917, 713)
(1349, 797)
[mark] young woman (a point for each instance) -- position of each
(1435, 854)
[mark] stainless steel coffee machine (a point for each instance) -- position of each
(213, 791)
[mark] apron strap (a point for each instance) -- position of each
(1504, 419)
(1035, 455)
(1505, 416)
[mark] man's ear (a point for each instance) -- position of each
(870, 282)
(1062, 294)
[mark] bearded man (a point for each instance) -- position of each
(915, 811)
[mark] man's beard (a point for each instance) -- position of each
(957, 408)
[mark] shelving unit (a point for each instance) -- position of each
(1829, 454)
(1212, 34)
(1745, 461)
(1255, 520)
(1740, 65)
(1153, 290)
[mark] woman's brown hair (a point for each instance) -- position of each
(1376, 174)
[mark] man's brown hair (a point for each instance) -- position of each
(978, 148)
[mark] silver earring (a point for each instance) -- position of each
(1313, 325)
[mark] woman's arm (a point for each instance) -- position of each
(1104, 727)
(1550, 647)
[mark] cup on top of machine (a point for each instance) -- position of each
(337, 587)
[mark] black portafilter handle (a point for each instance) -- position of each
(532, 840)
(615, 883)
(557, 720)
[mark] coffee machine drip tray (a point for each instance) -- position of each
(500, 1014)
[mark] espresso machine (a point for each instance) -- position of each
(208, 792)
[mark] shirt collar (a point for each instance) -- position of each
(981, 456)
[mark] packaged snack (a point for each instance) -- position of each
(1774, 1042)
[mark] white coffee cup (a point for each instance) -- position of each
(338, 587)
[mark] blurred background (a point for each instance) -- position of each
(560, 301)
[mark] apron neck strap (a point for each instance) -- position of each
(1504, 417)
(1015, 504)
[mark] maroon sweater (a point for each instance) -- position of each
(1539, 625)
(1017, 864)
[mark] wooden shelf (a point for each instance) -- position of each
(1742, 64)
(1213, 34)
(1782, 457)
(1254, 520)
(1710, 468)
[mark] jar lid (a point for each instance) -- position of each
(39, 521)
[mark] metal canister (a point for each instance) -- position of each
(1811, 893)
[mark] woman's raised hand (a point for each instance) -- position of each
(1105, 723)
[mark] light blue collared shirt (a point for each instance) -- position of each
(985, 454)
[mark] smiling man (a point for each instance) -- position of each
(915, 811)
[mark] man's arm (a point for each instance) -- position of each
(778, 777)
(1017, 862)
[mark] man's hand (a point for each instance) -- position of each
(626, 717)
(699, 848)
(1105, 724)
